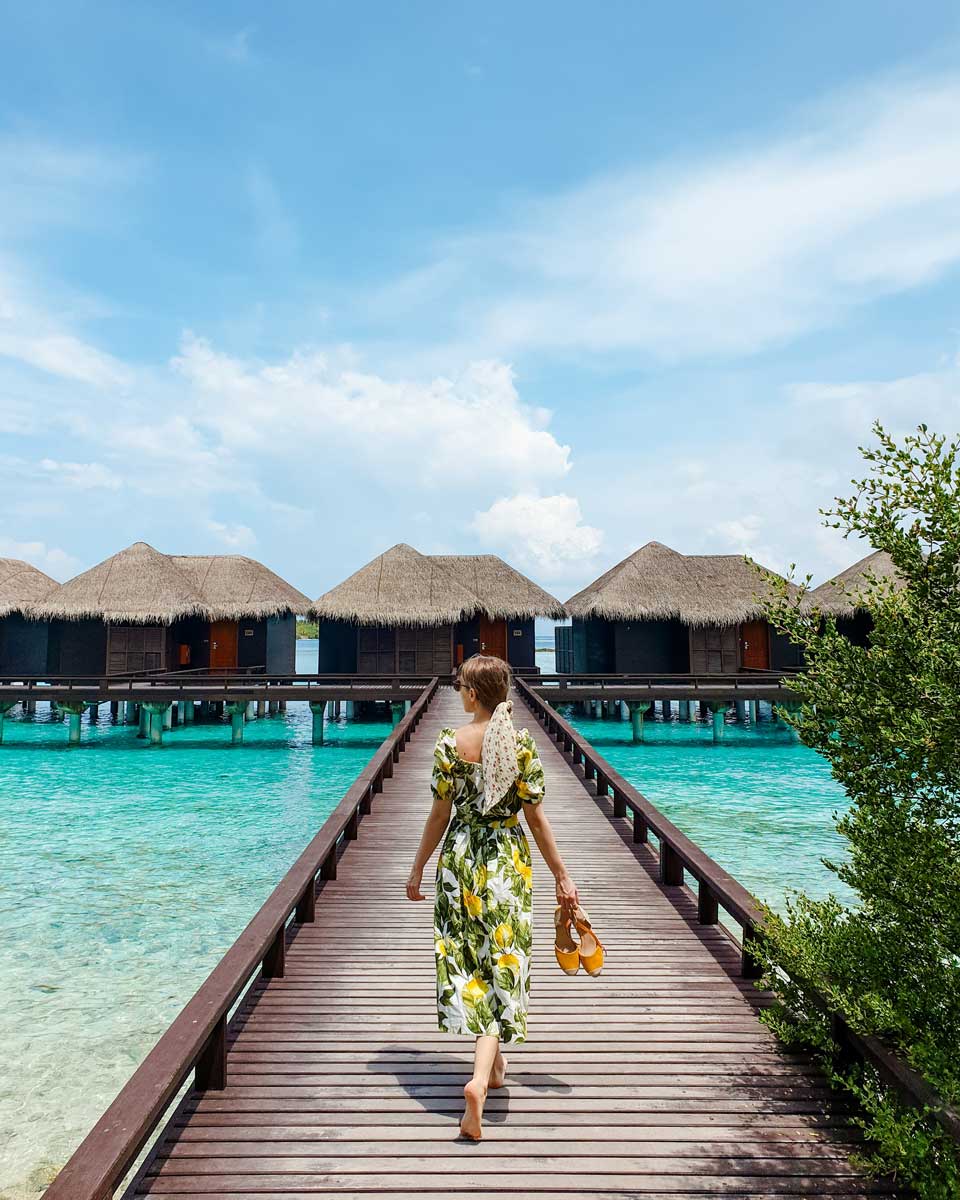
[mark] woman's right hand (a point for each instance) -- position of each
(413, 884)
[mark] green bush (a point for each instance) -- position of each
(886, 716)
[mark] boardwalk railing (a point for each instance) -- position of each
(182, 685)
(197, 1038)
(716, 889)
(658, 683)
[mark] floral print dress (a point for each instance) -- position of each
(484, 890)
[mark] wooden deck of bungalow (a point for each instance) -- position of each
(656, 1079)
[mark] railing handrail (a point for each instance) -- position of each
(718, 887)
(179, 680)
(748, 679)
(197, 1036)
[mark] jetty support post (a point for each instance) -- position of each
(683, 709)
(93, 711)
(719, 710)
(5, 706)
(396, 712)
(637, 709)
(144, 721)
(237, 709)
(74, 710)
(261, 708)
(741, 707)
(157, 716)
(188, 712)
(754, 711)
(667, 706)
(167, 715)
(318, 708)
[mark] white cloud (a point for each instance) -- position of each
(473, 428)
(237, 537)
(727, 252)
(542, 533)
(758, 489)
(84, 476)
(55, 562)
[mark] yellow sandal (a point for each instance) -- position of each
(591, 951)
(565, 948)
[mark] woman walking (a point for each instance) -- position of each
(485, 773)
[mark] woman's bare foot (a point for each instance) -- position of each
(474, 1094)
(498, 1071)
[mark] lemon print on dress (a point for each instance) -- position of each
(472, 903)
(509, 962)
(474, 991)
(524, 870)
(440, 948)
(480, 877)
(503, 935)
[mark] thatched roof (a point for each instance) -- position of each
(399, 587)
(842, 596)
(404, 587)
(141, 586)
(503, 592)
(233, 587)
(21, 585)
(657, 583)
(138, 586)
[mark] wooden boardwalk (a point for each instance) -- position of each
(655, 1079)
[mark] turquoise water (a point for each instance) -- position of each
(125, 873)
(758, 802)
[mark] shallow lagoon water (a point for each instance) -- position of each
(758, 802)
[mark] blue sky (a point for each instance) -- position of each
(548, 281)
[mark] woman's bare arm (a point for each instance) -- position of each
(539, 825)
(433, 831)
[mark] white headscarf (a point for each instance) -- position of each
(498, 756)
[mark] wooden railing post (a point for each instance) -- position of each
(329, 868)
(602, 783)
(210, 1071)
(307, 905)
(351, 832)
(671, 866)
(274, 961)
(619, 803)
(640, 831)
(708, 909)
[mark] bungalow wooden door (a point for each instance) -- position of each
(755, 645)
(223, 645)
(493, 637)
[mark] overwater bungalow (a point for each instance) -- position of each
(418, 614)
(23, 639)
(842, 596)
(662, 612)
(141, 610)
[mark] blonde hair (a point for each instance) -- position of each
(489, 677)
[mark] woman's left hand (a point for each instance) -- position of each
(567, 896)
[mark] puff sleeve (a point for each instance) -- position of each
(530, 782)
(441, 781)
